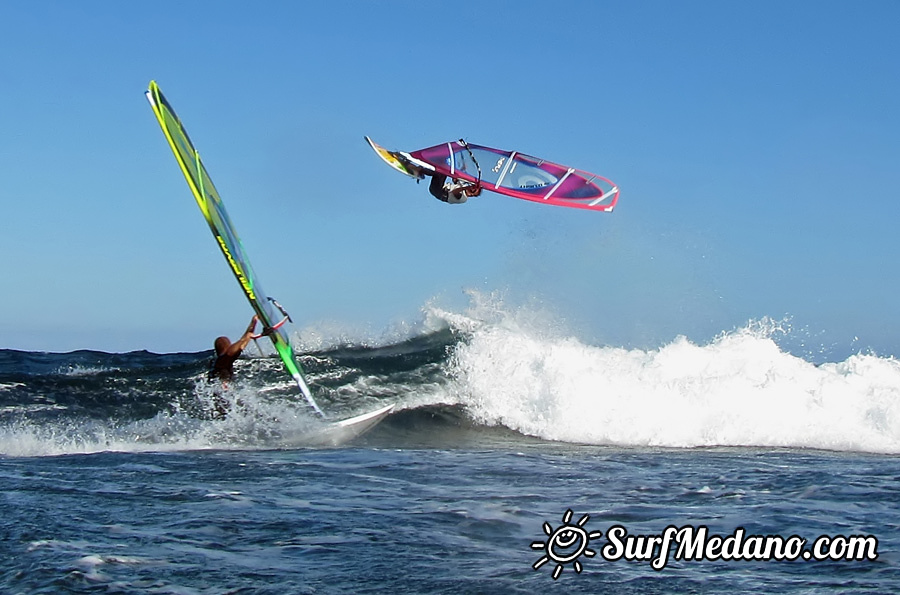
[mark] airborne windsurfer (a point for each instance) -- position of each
(456, 191)
(456, 175)
(453, 192)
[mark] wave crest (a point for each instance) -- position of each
(740, 389)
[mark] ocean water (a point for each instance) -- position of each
(518, 460)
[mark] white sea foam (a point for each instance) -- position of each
(254, 421)
(79, 370)
(517, 368)
(740, 389)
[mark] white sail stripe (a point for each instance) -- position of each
(558, 184)
(505, 169)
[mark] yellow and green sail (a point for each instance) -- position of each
(269, 312)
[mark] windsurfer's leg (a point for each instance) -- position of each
(436, 188)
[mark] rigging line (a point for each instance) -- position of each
(463, 142)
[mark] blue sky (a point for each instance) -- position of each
(757, 146)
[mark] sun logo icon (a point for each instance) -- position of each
(565, 544)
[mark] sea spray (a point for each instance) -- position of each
(741, 389)
(494, 365)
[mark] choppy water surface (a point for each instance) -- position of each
(114, 478)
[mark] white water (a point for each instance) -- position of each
(739, 390)
(254, 422)
(517, 369)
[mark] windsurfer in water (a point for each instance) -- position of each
(227, 352)
(223, 366)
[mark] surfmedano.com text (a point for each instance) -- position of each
(696, 544)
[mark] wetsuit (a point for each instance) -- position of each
(223, 370)
(441, 191)
(223, 367)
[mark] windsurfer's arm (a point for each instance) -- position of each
(238, 346)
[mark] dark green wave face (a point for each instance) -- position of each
(223, 230)
(75, 402)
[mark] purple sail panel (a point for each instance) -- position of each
(521, 176)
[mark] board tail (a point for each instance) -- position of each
(401, 162)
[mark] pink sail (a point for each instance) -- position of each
(520, 176)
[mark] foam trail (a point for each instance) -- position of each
(739, 390)
(253, 422)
